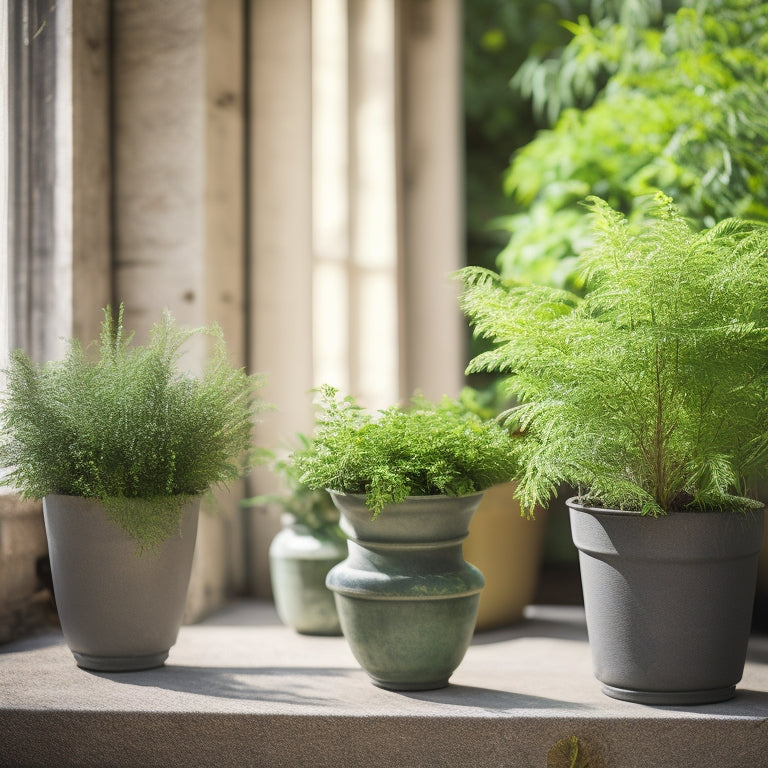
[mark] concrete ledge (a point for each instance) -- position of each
(241, 690)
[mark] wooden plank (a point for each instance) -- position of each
(280, 258)
(434, 352)
(179, 216)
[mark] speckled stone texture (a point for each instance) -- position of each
(242, 690)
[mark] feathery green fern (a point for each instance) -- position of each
(651, 391)
(417, 451)
(126, 428)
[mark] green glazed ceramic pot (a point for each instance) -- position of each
(299, 561)
(407, 600)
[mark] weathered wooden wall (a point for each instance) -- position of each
(289, 169)
(178, 216)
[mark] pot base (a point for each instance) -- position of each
(671, 698)
(120, 663)
(432, 685)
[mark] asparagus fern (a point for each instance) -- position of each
(650, 392)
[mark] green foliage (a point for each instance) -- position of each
(422, 450)
(650, 392)
(487, 402)
(573, 76)
(679, 108)
(498, 35)
(126, 428)
(312, 508)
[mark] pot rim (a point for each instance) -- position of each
(573, 503)
(410, 499)
(98, 499)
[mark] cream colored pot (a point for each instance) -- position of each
(507, 549)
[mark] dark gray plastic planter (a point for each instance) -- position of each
(407, 599)
(668, 600)
(118, 611)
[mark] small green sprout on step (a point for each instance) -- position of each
(572, 752)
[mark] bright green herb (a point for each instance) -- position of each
(421, 450)
(651, 391)
(126, 428)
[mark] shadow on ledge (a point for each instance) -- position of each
(490, 699)
(288, 685)
(560, 623)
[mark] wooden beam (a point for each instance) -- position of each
(280, 258)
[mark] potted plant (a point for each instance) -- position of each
(120, 446)
(650, 395)
(309, 544)
(407, 483)
(502, 544)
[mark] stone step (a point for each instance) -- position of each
(241, 690)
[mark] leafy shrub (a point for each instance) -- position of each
(421, 450)
(651, 392)
(679, 108)
(498, 35)
(126, 428)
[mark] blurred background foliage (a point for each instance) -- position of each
(499, 37)
(616, 98)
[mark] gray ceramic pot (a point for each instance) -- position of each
(668, 600)
(406, 598)
(299, 561)
(118, 611)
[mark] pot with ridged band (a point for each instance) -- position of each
(668, 600)
(407, 599)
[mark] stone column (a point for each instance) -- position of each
(280, 253)
(178, 206)
(90, 206)
(59, 223)
(433, 353)
(54, 225)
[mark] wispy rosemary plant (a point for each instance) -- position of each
(420, 450)
(125, 427)
(651, 392)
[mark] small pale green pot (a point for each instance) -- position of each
(299, 561)
(407, 600)
(119, 611)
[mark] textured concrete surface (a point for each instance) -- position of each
(240, 689)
